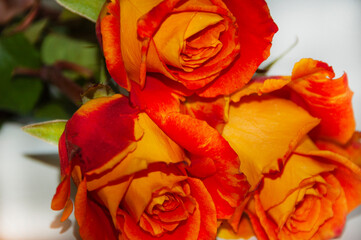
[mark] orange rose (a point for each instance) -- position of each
(131, 179)
(299, 191)
(191, 42)
(310, 199)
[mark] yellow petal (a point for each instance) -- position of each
(112, 195)
(260, 86)
(245, 230)
(264, 131)
(335, 159)
(130, 12)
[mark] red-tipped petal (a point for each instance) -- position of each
(324, 97)
(99, 130)
(93, 219)
(62, 194)
(150, 22)
(109, 25)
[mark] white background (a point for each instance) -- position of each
(327, 30)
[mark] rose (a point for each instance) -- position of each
(164, 204)
(300, 192)
(310, 199)
(191, 42)
(289, 173)
(158, 203)
(130, 176)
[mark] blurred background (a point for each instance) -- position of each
(43, 46)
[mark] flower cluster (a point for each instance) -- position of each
(202, 147)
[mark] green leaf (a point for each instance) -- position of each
(61, 48)
(16, 50)
(48, 131)
(18, 94)
(67, 15)
(33, 32)
(89, 9)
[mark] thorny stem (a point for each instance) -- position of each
(64, 65)
(53, 75)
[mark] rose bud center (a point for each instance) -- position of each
(167, 210)
(190, 39)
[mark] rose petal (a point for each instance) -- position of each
(63, 155)
(256, 225)
(150, 22)
(68, 209)
(175, 215)
(98, 133)
(269, 143)
(93, 221)
(268, 227)
(213, 111)
(334, 226)
(351, 150)
(189, 230)
(333, 158)
(154, 146)
(154, 226)
(110, 29)
(208, 214)
(325, 98)
(237, 216)
(260, 86)
(62, 194)
(351, 183)
(244, 230)
(112, 195)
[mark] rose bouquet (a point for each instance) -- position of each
(200, 145)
